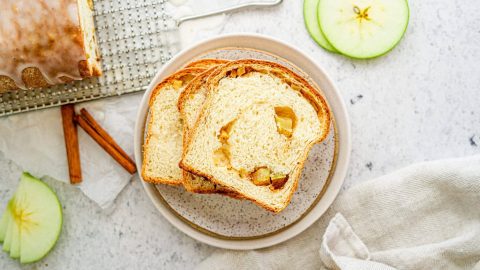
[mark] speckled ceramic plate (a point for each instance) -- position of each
(239, 224)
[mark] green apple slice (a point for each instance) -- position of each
(4, 222)
(313, 27)
(8, 232)
(363, 28)
(15, 243)
(40, 215)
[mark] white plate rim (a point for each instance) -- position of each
(333, 97)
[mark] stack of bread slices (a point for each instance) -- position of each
(239, 128)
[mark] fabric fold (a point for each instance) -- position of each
(425, 216)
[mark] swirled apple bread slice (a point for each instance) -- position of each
(253, 135)
(163, 146)
(190, 105)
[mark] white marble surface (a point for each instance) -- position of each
(419, 102)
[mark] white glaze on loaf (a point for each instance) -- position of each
(44, 34)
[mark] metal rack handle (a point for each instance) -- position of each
(229, 10)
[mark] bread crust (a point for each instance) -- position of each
(193, 86)
(307, 91)
(206, 63)
(175, 76)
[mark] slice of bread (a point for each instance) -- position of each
(90, 67)
(190, 105)
(163, 146)
(255, 130)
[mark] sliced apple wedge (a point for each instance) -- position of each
(32, 221)
(311, 22)
(15, 243)
(40, 212)
(8, 233)
(4, 222)
(363, 28)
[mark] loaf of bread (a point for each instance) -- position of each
(46, 42)
(255, 130)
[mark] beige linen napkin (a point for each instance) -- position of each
(426, 216)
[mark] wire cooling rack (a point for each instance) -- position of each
(135, 38)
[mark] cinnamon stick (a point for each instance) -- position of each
(102, 132)
(71, 143)
(106, 144)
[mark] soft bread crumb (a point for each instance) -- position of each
(162, 149)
